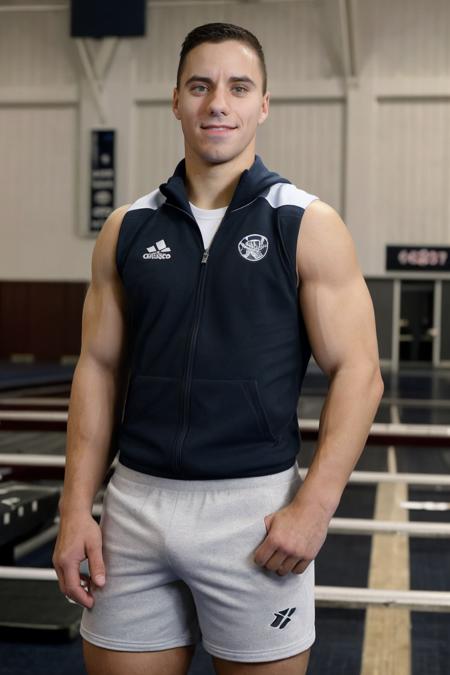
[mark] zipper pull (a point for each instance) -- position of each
(205, 255)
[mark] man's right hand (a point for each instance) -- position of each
(79, 537)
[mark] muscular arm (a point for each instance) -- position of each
(339, 319)
(340, 322)
(100, 377)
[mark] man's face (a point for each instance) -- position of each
(209, 96)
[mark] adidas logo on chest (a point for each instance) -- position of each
(158, 252)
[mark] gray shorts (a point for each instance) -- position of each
(180, 569)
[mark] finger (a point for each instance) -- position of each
(96, 564)
(85, 603)
(287, 566)
(301, 566)
(276, 561)
(264, 552)
(73, 588)
(267, 521)
(60, 575)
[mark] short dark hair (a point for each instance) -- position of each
(219, 32)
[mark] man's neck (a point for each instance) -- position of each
(211, 186)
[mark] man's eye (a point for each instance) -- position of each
(202, 86)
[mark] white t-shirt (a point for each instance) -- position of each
(208, 221)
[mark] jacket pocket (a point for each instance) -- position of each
(151, 410)
(227, 412)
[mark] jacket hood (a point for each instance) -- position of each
(253, 182)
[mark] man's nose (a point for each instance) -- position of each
(218, 101)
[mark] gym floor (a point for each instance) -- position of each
(349, 641)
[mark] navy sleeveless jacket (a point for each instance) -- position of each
(218, 346)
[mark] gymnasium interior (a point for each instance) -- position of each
(360, 116)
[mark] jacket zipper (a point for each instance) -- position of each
(187, 375)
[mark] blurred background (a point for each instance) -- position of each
(359, 115)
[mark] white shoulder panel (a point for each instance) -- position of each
(284, 194)
(151, 201)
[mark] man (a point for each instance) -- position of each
(207, 530)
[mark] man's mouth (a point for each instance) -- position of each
(213, 129)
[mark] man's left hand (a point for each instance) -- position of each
(295, 536)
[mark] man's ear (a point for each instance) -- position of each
(264, 108)
(175, 103)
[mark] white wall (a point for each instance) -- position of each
(360, 112)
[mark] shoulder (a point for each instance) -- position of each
(325, 246)
(105, 249)
(103, 257)
(111, 226)
(287, 194)
(153, 200)
(320, 218)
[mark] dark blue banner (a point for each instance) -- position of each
(102, 177)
